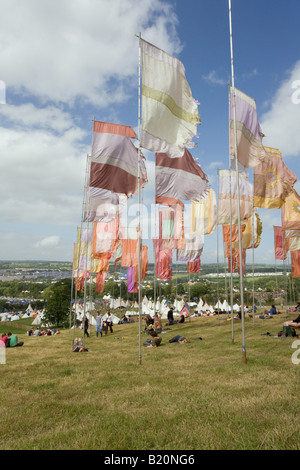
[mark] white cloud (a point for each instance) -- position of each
(23, 246)
(65, 50)
(42, 175)
(51, 241)
(28, 115)
(64, 58)
(281, 123)
(213, 78)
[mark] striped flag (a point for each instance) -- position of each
(250, 150)
(114, 160)
(169, 111)
(178, 179)
(228, 193)
(204, 214)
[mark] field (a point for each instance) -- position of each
(199, 395)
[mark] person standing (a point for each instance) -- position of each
(109, 323)
(99, 324)
(170, 316)
(86, 325)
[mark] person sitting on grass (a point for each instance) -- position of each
(294, 323)
(4, 339)
(78, 346)
(157, 323)
(155, 340)
(149, 321)
(263, 316)
(13, 341)
(273, 310)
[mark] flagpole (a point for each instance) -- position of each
(231, 266)
(139, 204)
(238, 190)
(253, 236)
(155, 245)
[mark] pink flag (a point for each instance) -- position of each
(280, 243)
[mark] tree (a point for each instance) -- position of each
(58, 297)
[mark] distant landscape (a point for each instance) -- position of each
(26, 268)
(263, 284)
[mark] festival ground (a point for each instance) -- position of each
(198, 395)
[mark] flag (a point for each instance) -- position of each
(273, 181)
(228, 203)
(131, 284)
(280, 244)
(178, 179)
(193, 248)
(163, 261)
(250, 150)
(100, 281)
(295, 259)
(232, 231)
(105, 236)
(236, 261)
(204, 214)
(290, 212)
(85, 248)
(193, 266)
(171, 227)
(169, 111)
(102, 205)
(252, 232)
(130, 255)
(293, 243)
(114, 160)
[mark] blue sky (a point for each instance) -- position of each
(64, 63)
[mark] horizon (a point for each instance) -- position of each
(46, 112)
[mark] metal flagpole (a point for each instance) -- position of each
(238, 191)
(139, 207)
(231, 267)
(155, 246)
(253, 237)
(84, 209)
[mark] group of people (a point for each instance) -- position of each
(154, 326)
(10, 341)
(171, 320)
(102, 326)
(155, 340)
(38, 332)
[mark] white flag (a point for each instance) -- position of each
(169, 111)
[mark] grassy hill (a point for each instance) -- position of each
(198, 395)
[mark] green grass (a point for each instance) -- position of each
(199, 395)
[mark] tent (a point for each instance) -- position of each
(185, 310)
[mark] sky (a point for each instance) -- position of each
(64, 63)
